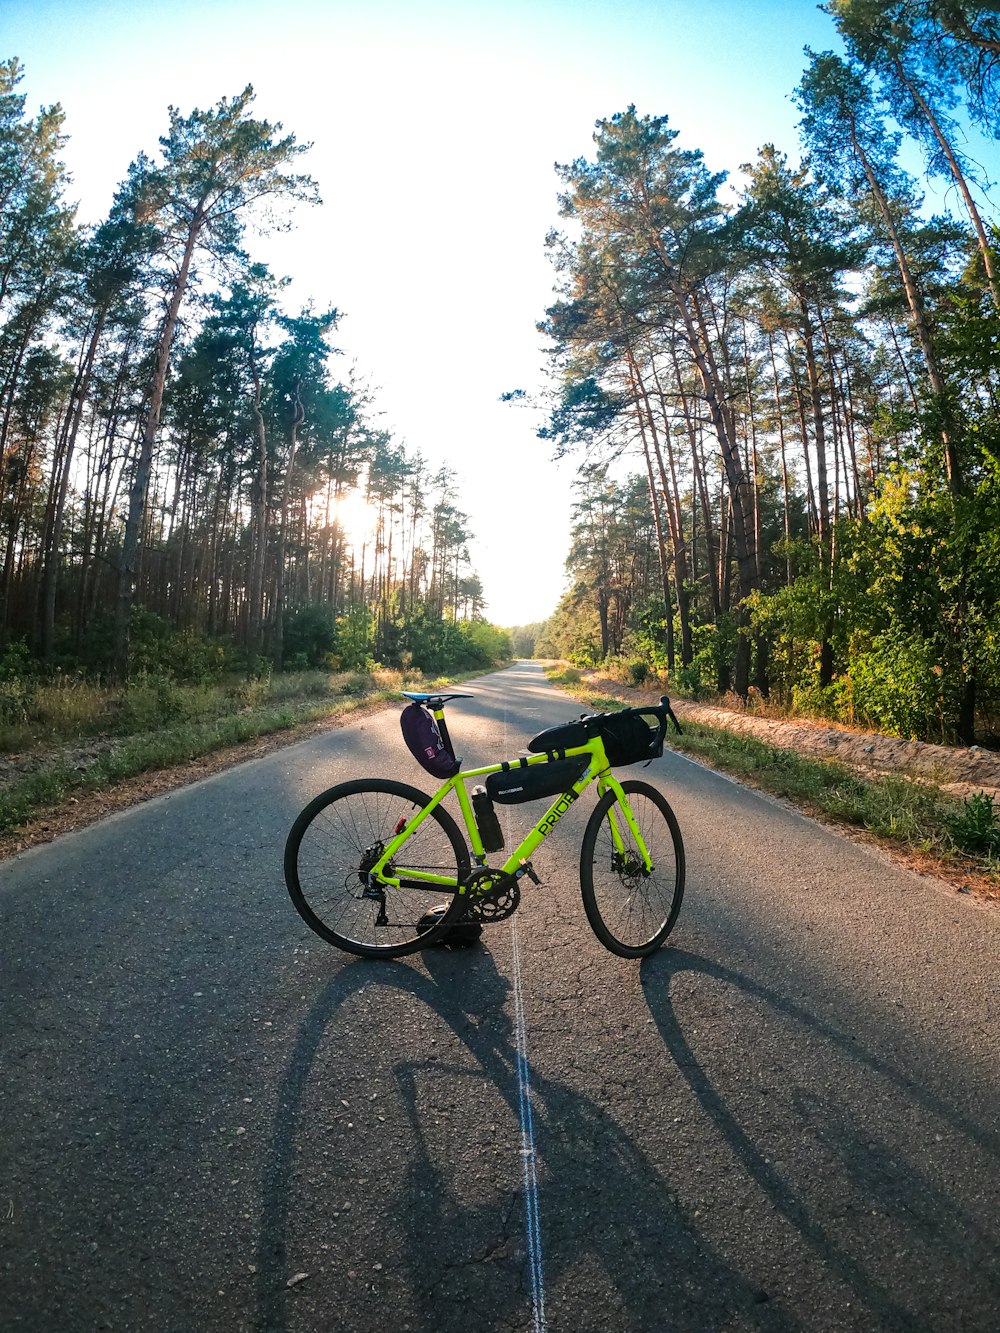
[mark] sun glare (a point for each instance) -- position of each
(356, 518)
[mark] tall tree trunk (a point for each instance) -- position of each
(68, 443)
(915, 302)
(780, 419)
(128, 572)
(989, 262)
(278, 631)
(258, 527)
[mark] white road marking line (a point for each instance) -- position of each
(529, 1156)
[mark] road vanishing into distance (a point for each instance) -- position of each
(787, 1119)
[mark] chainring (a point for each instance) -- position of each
(493, 896)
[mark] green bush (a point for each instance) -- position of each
(686, 681)
(156, 648)
(17, 661)
(833, 701)
(150, 702)
(627, 669)
(896, 687)
(18, 697)
(309, 636)
(357, 683)
(975, 828)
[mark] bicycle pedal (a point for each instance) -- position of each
(464, 934)
(529, 870)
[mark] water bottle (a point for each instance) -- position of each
(486, 819)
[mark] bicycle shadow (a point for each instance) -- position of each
(609, 1220)
(844, 1124)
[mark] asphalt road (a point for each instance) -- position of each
(788, 1119)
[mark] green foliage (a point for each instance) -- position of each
(896, 686)
(484, 644)
(564, 676)
(18, 698)
(17, 662)
(524, 639)
(160, 649)
(627, 669)
(310, 636)
(976, 829)
(355, 633)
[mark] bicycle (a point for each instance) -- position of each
(362, 857)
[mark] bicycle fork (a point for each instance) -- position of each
(620, 809)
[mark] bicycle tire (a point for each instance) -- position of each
(631, 911)
(324, 854)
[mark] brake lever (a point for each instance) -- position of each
(665, 705)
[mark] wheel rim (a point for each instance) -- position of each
(341, 841)
(636, 906)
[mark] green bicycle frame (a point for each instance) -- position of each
(516, 864)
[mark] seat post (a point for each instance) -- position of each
(438, 714)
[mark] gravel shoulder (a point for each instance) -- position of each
(87, 808)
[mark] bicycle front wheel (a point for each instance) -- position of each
(340, 835)
(632, 910)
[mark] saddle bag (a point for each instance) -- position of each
(534, 783)
(423, 740)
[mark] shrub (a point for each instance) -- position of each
(156, 648)
(896, 687)
(150, 702)
(309, 635)
(17, 700)
(975, 828)
(17, 662)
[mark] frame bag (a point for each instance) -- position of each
(423, 740)
(533, 784)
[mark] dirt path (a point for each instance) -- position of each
(953, 768)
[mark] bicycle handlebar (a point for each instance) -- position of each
(663, 711)
(665, 706)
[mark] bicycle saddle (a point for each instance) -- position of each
(433, 700)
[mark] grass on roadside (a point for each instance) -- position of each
(207, 719)
(898, 810)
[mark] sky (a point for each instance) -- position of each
(435, 128)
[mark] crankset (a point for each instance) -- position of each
(492, 895)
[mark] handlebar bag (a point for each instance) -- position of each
(423, 740)
(628, 738)
(563, 737)
(540, 780)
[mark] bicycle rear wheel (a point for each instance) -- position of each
(632, 910)
(344, 831)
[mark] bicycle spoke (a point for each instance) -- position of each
(630, 905)
(336, 842)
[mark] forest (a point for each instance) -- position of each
(781, 393)
(186, 485)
